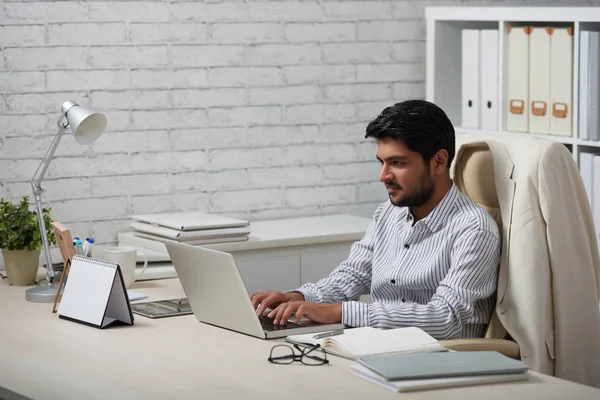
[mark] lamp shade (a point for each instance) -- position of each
(85, 124)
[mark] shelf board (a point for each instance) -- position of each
(516, 14)
(555, 138)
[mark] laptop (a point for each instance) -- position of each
(217, 294)
(191, 221)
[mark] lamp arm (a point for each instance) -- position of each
(36, 185)
(36, 182)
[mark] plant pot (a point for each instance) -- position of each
(21, 266)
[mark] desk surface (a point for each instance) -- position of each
(44, 357)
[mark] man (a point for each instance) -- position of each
(430, 256)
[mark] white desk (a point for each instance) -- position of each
(44, 357)
(282, 254)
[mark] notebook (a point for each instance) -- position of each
(357, 342)
(441, 365)
(95, 294)
(410, 385)
(189, 221)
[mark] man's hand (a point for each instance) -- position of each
(270, 299)
(323, 313)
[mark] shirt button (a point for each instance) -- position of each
(393, 281)
(407, 246)
(403, 300)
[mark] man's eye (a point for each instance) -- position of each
(398, 163)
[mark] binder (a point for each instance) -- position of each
(584, 48)
(586, 169)
(539, 80)
(593, 83)
(517, 118)
(489, 80)
(561, 81)
(470, 78)
(95, 294)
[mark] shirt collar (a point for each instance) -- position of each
(441, 212)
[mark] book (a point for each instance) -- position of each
(357, 342)
(441, 365)
(410, 385)
(189, 221)
(188, 236)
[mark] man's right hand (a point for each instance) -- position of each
(271, 299)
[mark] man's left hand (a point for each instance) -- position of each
(317, 312)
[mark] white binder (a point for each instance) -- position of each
(489, 80)
(584, 49)
(561, 81)
(586, 168)
(95, 294)
(518, 79)
(593, 86)
(539, 80)
(470, 78)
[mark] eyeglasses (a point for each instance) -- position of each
(284, 354)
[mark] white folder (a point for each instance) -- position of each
(489, 79)
(518, 79)
(561, 81)
(584, 48)
(593, 86)
(470, 79)
(539, 80)
(586, 168)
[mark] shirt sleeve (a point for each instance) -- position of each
(351, 278)
(472, 276)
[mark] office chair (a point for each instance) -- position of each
(477, 182)
(534, 187)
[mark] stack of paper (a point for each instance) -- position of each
(421, 371)
(192, 228)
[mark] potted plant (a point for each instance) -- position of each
(21, 240)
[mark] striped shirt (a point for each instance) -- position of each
(439, 274)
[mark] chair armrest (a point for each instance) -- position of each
(503, 346)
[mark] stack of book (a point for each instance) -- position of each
(151, 230)
(426, 371)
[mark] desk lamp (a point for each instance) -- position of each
(86, 126)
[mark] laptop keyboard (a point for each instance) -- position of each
(267, 324)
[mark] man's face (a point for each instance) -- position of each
(408, 180)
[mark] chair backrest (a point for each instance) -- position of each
(475, 178)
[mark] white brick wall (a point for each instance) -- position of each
(253, 108)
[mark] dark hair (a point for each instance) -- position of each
(422, 126)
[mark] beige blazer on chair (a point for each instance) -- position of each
(549, 277)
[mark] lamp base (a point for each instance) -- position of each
(41, 294)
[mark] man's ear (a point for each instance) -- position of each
(440, 162)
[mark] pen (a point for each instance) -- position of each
(328, 334)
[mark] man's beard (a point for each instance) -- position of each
(418, 197)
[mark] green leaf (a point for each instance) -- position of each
(19, 226)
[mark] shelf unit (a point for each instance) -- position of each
(444, 57)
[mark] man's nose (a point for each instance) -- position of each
(385, 174)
